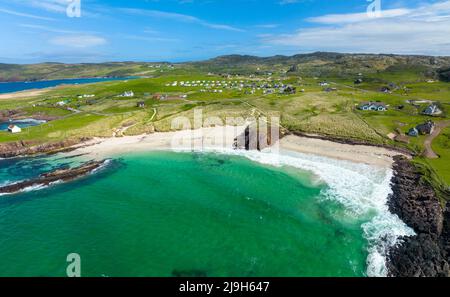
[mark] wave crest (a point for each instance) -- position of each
(362, 189)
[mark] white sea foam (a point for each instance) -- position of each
(35, 187)
(38, 187)
(362, 189)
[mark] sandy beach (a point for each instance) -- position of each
(23, 94)
(222, 138)
(370, 155)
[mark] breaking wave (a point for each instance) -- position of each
(362, 189)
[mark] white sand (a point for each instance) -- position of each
(211, 138)
(23, 94)
(221, 138)
(370, 155)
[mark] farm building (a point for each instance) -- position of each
(426, 128)
(422, 129)
(127, 94)
(413, 132)
(385, 90)
(159, 97)
(288, 90)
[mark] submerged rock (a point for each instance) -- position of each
(47, 179)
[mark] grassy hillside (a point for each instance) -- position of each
(323, 64)
(319, 64)
(49, 71)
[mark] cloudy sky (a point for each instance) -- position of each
(184, 30)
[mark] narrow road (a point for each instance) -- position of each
(429, 153)
(121, 131)
(155, 111)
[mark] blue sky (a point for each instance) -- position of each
(185, 30)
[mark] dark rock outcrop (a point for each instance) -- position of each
(6, 115)
(415, 201)
(52, 177)
(254, 138)
(27, 148)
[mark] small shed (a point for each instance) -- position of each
(413, 132)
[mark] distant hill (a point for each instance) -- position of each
(444, 74)
(328, 64)
(319, 64)
(48, 71)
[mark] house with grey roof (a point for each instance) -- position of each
(373, 106)
(432, 110)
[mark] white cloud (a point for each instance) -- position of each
(49, 29)
(27, 15)
(59, 6)
(179, 17)
(149, 38)
(78, 41)
(267, 26)
(356, 17)
(424, 30)
(286, 2)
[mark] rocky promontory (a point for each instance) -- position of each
(28, 148)
(63, 175)
(416, 202)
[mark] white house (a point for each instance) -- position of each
(373, 106)
(14, 129)
(127, 94)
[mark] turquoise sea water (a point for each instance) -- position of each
(165, 214)
(9, 87)
(20, 123)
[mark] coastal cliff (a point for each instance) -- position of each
(415, 201)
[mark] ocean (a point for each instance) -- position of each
(200, 214)
(20, 123)
(10, 87)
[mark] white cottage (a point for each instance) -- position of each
(14, 129)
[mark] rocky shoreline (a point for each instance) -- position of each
(30, 148)
(63, 175)
(415, 201)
